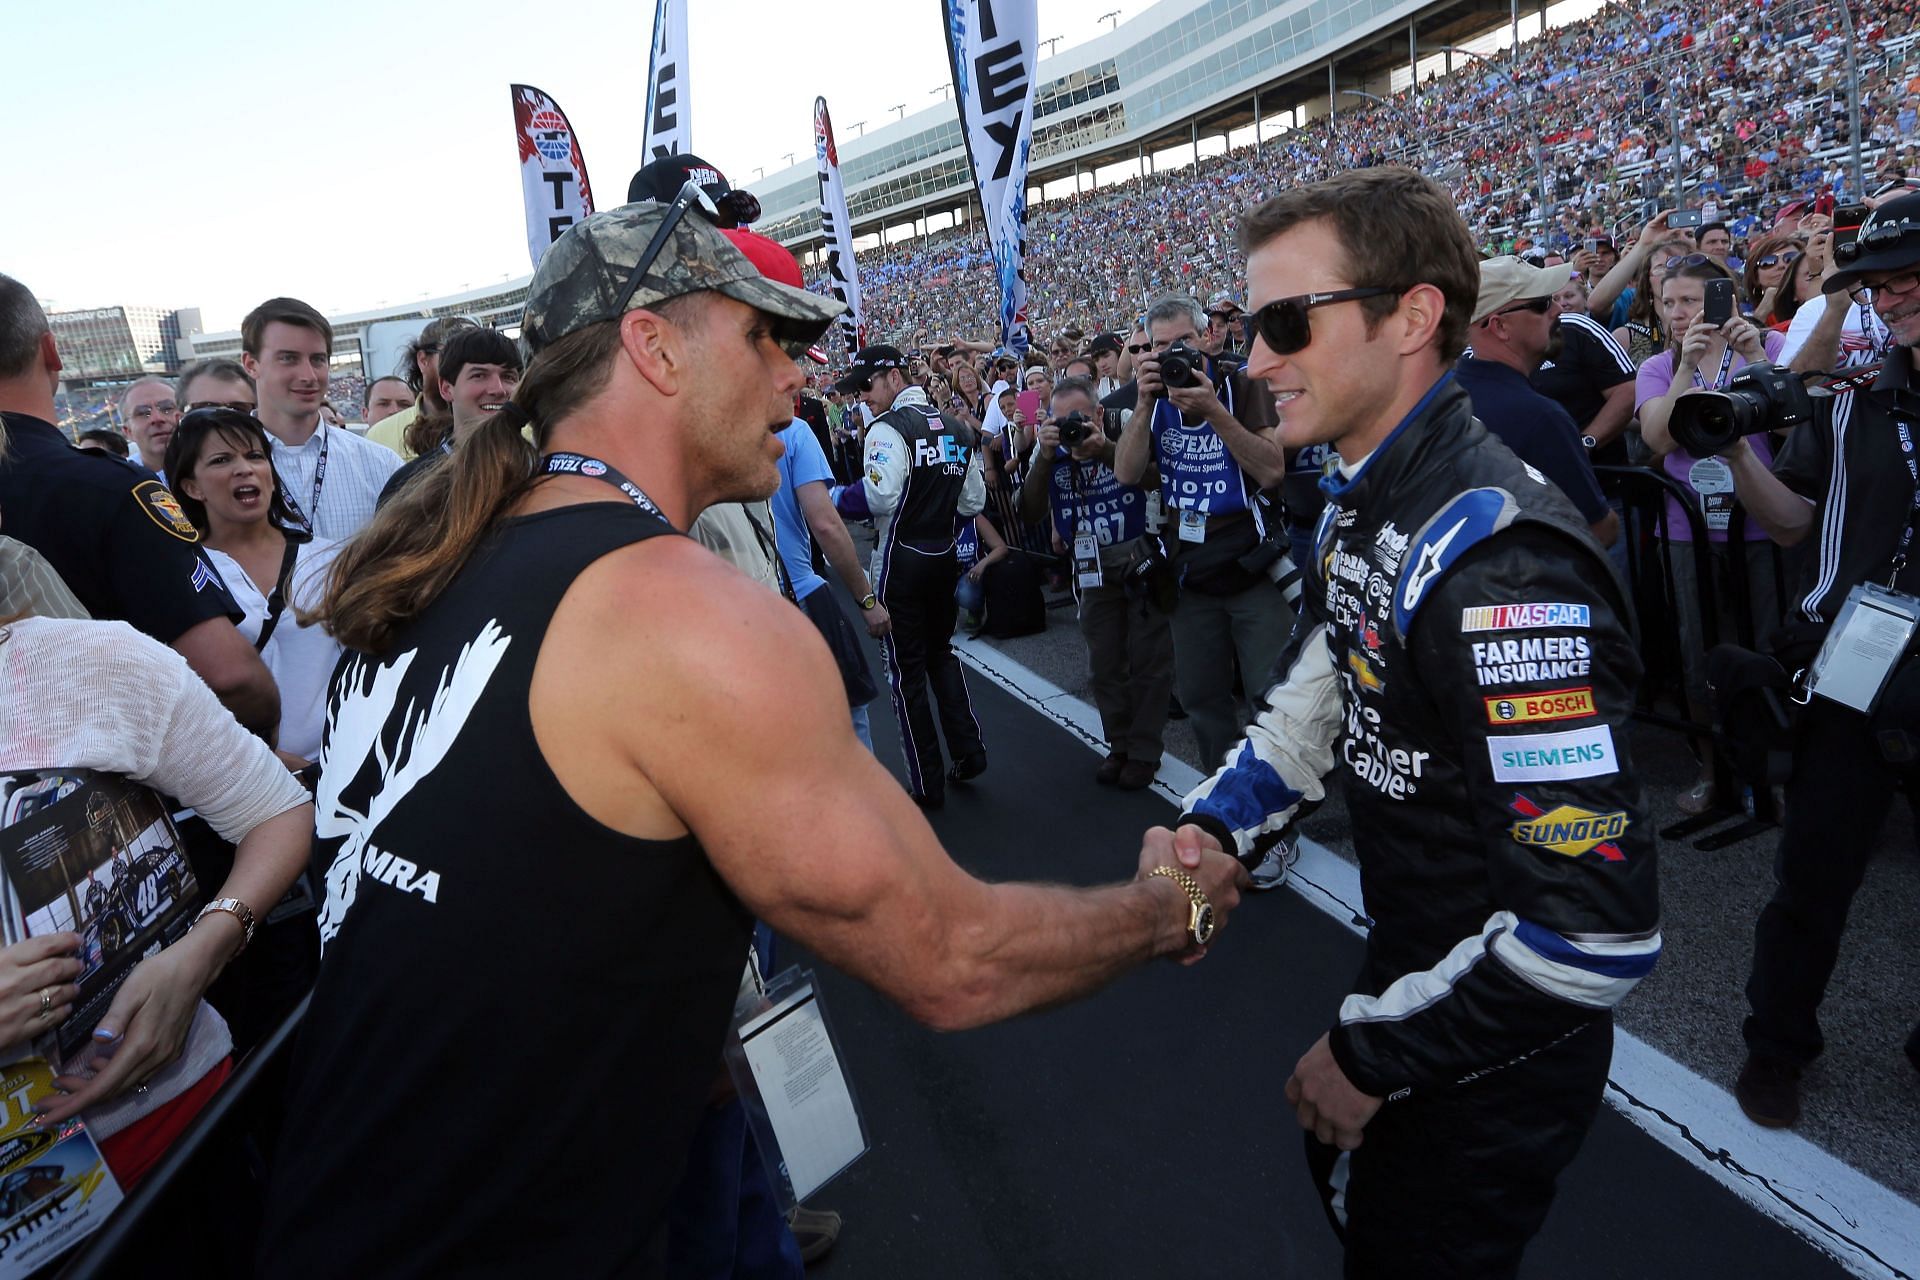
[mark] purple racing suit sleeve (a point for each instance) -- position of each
(1531, 672)
(1288, 750)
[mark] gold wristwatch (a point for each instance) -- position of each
(1200, 911)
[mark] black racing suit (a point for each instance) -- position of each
(1467, 665)
(922, 475)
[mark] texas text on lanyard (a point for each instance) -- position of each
(579, 464)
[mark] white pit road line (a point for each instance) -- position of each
(1870, 1230)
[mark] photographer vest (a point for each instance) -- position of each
(1197, 471)
(1087, 495)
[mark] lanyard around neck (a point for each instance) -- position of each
(579, 464)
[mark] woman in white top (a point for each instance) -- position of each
(220, 464)
(160, 1049)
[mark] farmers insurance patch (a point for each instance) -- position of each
(164, 510)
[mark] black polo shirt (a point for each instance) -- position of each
(1864, 502)
(1537, 429)
(1589, 365)
(113, 533)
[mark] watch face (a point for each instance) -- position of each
(1202, 924)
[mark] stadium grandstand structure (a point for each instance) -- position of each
(1337, 83)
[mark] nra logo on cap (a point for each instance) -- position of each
(1553, 704)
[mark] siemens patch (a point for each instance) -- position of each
(1524, 617)
(1552, 757)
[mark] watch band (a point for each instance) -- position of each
(868, 602)
(238, 910)
(1200, 918)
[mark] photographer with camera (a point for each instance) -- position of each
(1847, 473)
(1212, 436)
(1711, 342)
(1129, 636)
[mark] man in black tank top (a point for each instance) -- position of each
(566, 763)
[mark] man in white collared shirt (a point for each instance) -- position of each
(331, 476)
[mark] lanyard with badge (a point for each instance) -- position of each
(1876, 624)
(1086, 543)
(579, 464)
(1193, 521)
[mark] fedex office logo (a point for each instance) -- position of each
(939, 451)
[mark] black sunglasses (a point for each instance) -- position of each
(1687, 260)
(1139, 348)
(1536, 305)
(1282, 324)
(691, 197)
(1776, 259)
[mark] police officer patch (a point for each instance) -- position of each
(164, 510)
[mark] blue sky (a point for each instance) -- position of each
(214, 153)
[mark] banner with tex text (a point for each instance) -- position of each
(843, 275)
(994, 48)
(553, 176)
(669, 131)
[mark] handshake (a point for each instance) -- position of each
(1192, 862)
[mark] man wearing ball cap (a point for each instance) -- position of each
(572, 756)
(1849, 479)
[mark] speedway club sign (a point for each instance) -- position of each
(669, 131)
(843, 275)
(553, 176)
(994, 46)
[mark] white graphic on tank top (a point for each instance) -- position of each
(355, 724)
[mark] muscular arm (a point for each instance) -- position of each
(221, 656)
(1569, 849)
(836, 544)
(1821, 349)
(828, 848)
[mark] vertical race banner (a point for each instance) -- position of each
(994, 46)
(553, 176)
(837, 228)
(669, 131)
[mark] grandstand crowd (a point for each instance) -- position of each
(1593, 318)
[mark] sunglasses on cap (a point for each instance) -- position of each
(1776, 259)
(1678, 261)
(1283, 324)
(691, 197)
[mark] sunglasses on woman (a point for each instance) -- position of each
(1687, 260)
(1776, 259)
(1283, 324)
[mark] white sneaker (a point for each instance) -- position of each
(1272, 871)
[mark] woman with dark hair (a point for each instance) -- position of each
(1802, 283)
(1768, 278)
(219, 464)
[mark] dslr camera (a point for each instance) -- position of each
(1182, 366)
(1074, 429)
(1760, 398)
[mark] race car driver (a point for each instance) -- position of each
(1467, 668)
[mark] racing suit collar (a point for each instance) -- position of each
(1440, 397)
(911, 395)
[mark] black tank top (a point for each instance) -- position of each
(519, 1012)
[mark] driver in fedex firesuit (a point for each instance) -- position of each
(921, 477)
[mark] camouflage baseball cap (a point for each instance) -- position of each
(581, 277)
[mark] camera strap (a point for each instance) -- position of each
(1905, 430)
(579, 464)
